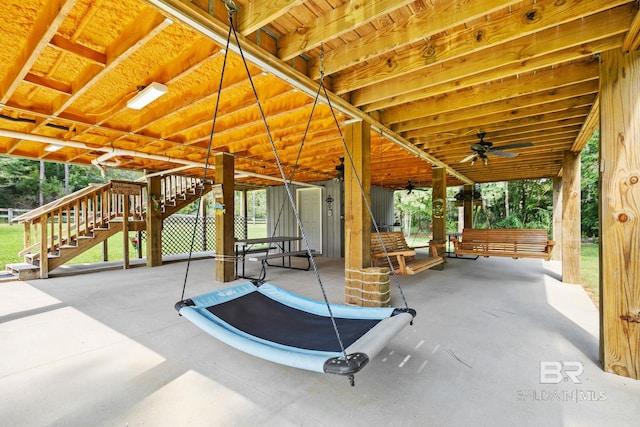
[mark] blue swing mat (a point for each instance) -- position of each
(276, 325)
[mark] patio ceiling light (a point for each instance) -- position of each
(146, 96)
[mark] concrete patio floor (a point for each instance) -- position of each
(107, 348)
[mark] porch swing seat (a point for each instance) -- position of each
(285, 328)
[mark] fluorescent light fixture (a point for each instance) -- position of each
(146, 96)
(52, 147)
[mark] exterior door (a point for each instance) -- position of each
(309, 201)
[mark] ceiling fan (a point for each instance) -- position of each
(409, 187)
(482, 148)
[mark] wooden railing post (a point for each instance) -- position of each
(44, 265)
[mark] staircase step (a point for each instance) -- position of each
(7, 276)
(24, 271)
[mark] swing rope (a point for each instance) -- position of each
(366, 202)
(296, 163)
(288, 191)
(287, 182)
(207, 160)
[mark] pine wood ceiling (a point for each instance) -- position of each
(427, 75)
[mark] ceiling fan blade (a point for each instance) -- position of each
(469, 157)
(502, 153)
(516, 145)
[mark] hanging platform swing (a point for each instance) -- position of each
(279, 326)
(274, 324)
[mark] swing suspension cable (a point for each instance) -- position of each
(288, 191)
(366, 202)
(296, 163)
(207, 161)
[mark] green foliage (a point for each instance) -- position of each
(20, 184)
(589, 187)
(413, 211)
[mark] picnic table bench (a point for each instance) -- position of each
(514, 243)
(403, 258)
(269, 248)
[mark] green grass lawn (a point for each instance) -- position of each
(11, 244)
(590, 270)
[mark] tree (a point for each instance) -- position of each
(590, 186)
(27, 184)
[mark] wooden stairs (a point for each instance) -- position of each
(76, 223)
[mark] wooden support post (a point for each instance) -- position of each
(557, 219)
(225, 249)
(620, 213)
(571, 218)
(439, 208)
(203, 215)
(125, 231)
(357, 219)
(105, 250)
(439, 204)
(44, 254)
(467, 204)
(245, 214)
(154, 221)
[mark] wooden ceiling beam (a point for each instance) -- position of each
(632, 40)
(545, 80)
(66, 45)
(572, 104)
(334, 24)
(542, 19)
(138, 33)
(583, 53)
(458, 146)
(544, 144)
(508, 129)
(589, 126)
(43, 29)
(575, 33)
(423, 25)
(195, 18)
(415, 128)
(259, 13)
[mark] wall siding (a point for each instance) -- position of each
(333, 225)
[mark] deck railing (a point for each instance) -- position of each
(58, 226)
(64, 221)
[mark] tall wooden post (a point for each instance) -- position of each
(154, 221)
(439, 204)
(225, 270)
(557, 219)
(125, 230)
(357, 221)
(467, 204)
(571, 218)
(245, 213)
(620, 212)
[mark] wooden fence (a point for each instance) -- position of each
(8, 214)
